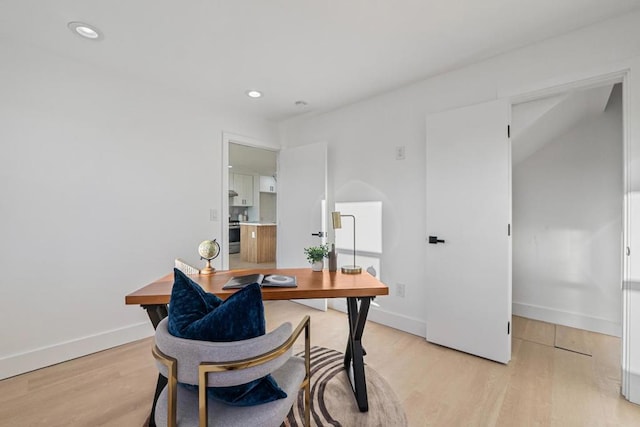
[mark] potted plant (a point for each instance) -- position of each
(315, 255)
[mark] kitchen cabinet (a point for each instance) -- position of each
(243, 185)
(257, 243)
(267, 184)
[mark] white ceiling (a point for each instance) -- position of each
(328, 53)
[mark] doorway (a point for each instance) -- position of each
(249, 204)
(568, 208)
(450, 163)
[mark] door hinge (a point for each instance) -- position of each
(508, 131)
(508, 229)
(508, 328)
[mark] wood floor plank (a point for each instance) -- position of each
(236, 263)
(541, 386)
(574, 387)
(528, 396)
(533, 330)
(576, 340)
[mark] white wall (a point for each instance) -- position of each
(361, 140)
(567, 226)
(103, 182)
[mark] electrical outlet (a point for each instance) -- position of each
(400, 152)
(400, 290)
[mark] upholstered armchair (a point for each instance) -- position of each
(202, 364)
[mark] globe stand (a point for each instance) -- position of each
(207, 268)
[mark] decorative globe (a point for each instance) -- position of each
(209, 249)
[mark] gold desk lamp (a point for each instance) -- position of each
(336, 219)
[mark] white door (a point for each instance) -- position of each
(468, 205)
(302, 192)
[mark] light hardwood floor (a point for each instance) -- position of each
(541, 386)
(236, 263)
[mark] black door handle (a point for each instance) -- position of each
(434, 240)
(319, 234)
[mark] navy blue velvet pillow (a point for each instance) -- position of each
(198, 315)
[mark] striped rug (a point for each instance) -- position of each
(333, 402)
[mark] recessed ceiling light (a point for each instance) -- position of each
(253, 93)
(84, 30)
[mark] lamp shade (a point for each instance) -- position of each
(335, 219)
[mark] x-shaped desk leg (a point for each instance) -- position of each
(354, 354)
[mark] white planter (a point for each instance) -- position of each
(317, 265)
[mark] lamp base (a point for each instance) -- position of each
(351, 269)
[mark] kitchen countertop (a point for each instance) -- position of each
(259, 224)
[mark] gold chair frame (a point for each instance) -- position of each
(206, 367)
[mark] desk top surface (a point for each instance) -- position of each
(311, 284)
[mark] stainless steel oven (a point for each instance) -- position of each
(234, 236)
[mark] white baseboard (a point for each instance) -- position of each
(397, 321)
(565, 318)
(634, 388)
(20, 363)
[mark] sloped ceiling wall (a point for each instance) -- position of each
(537, 123)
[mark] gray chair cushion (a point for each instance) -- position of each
(289, 377)
(190, 353)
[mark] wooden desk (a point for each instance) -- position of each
(155, 296)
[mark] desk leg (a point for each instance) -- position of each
(156, 313)
(354, 354)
